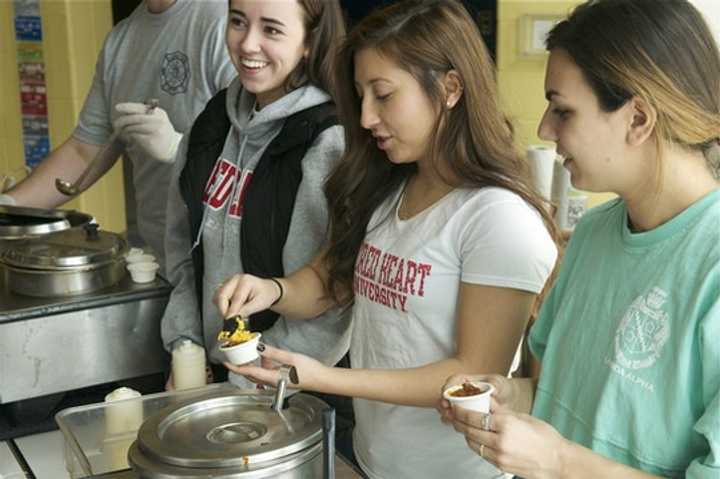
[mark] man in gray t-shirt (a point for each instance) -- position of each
(170, 50)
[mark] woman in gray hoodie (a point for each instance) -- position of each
(246, 193)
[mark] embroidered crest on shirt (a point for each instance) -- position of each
(175, 73)
(643, 331)
(387, 279)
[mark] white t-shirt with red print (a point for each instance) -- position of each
(407, 280)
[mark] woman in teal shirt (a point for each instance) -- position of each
(629, 337)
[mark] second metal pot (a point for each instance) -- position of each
(74, 261)
(18, 222)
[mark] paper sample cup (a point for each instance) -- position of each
(244, 352)
(143, 272)
(478, 402)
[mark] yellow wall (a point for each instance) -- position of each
(11, 148)
(73, 33)
(521, 78)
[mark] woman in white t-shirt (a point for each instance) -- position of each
(437, 241)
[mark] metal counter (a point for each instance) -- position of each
(49, 345)
(343, 470)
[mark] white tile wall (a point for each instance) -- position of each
(44, 454)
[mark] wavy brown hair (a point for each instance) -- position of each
(473, 140)
(324, 32)
(660, 51)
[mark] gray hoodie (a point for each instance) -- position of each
(325, 337)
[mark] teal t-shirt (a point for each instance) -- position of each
(629, 340)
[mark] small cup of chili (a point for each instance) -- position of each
(474, 396)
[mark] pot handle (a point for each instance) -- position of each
(328, 424)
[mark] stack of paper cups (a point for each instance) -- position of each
(542, 159)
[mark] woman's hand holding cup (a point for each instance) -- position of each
(501, 397)
(307, 372)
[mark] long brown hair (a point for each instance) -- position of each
(324, 32)
(660, 51)
(473, 140)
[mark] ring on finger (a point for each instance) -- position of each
(486, 422)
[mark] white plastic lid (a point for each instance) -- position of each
(187, 347)
(122, 393)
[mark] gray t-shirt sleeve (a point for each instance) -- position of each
(94, 124)
(325, 337)
(210, 65)
(182, 314)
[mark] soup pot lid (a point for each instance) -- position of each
(231, 429)
(18, 222)
(71, 249)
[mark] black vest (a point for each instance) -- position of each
(270, 197)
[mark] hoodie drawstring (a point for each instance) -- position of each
(214, 189)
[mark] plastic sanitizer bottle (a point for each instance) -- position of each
(188, 366)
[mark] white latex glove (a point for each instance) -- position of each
(7, 200)
(151, 133)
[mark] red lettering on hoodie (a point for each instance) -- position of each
(225, 179)
(220, 185)
(236, 208)
(210, 185)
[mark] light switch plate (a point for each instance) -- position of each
(533, 30)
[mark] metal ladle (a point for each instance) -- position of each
(287, 374)
(102, 161)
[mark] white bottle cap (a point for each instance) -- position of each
(122, 393)
(188, 347)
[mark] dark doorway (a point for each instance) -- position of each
(123, 8)
(483, 11)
